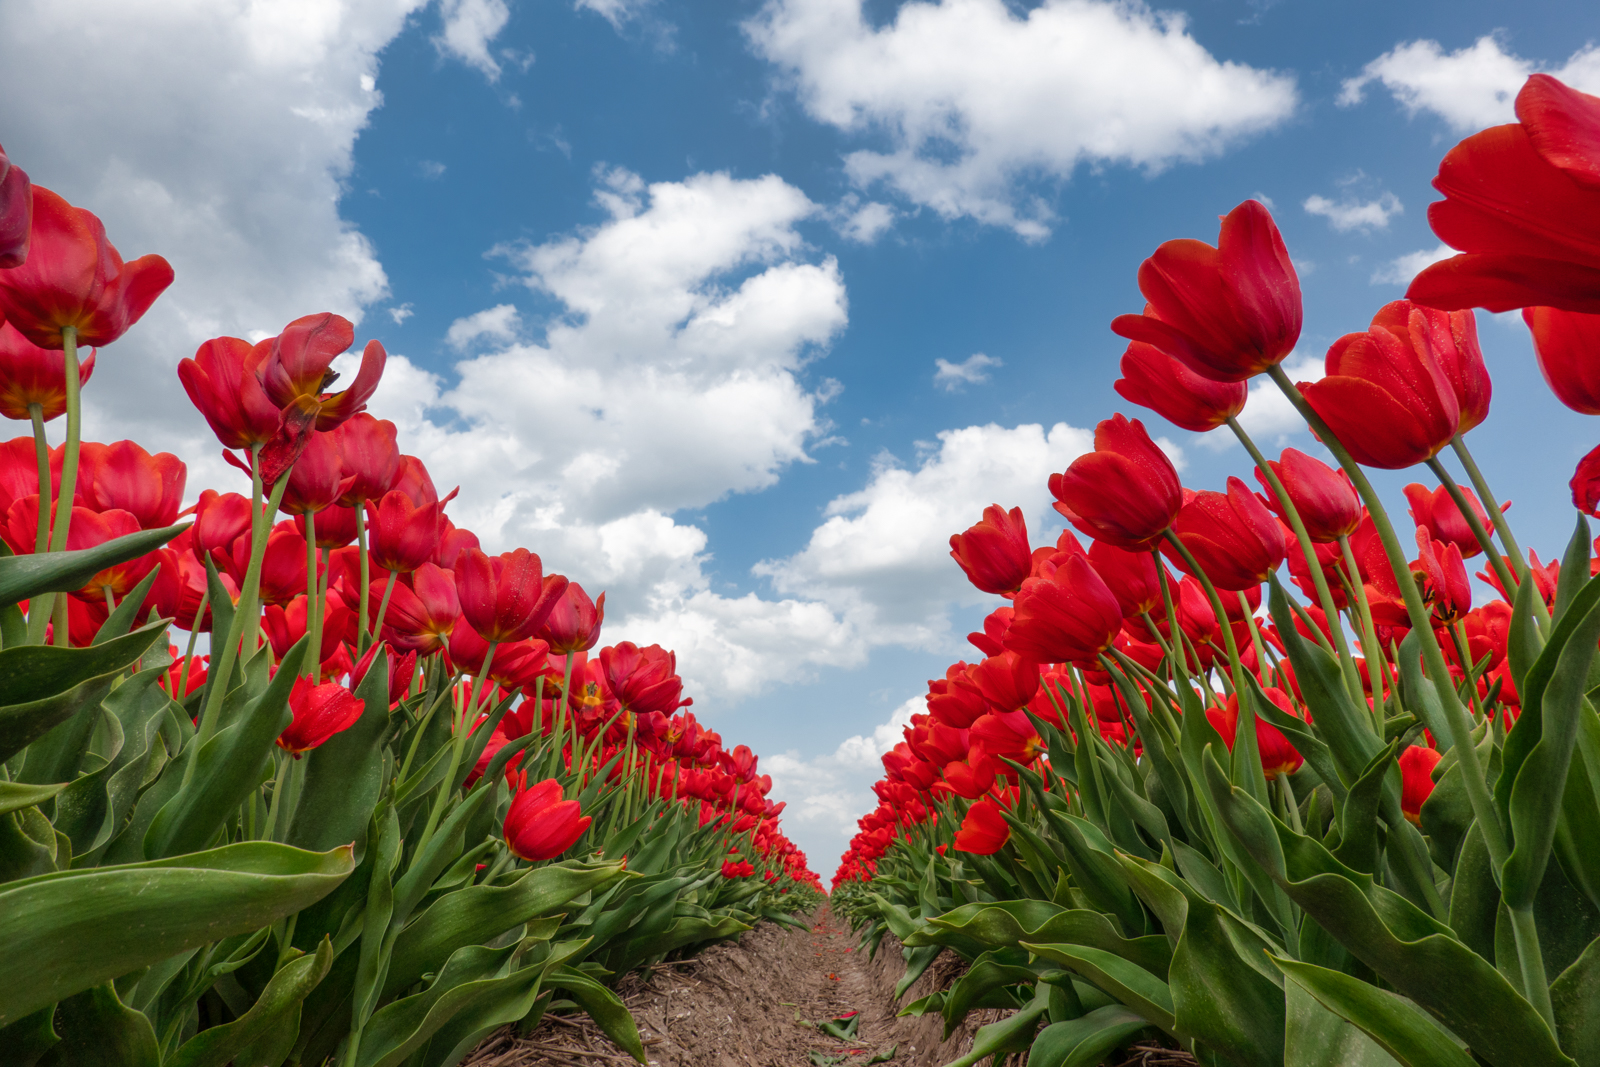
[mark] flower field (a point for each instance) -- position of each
(396, 801)
(1344, 815)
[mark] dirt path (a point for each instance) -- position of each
(755, 1003)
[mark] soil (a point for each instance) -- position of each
(756, 1003)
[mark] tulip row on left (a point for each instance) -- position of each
(396, 806)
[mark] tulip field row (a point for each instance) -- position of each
(1343, 815)
(400, 800)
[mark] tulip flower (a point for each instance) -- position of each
(1125, 492)
(1437, 513)
(317, 479)
(370, 457)
(32, 375)
(540, 825)
(74, 277)
(89, 529)
(984, 831)
(1443, 578)
(411, 478)
(19, 471)
(1453, 336)
(1131, 576)
(992, 640)
(1416, 780)
(401, 671)
(1523, 202)
(1565, 343)
(742, 869)
(1007, 681)
(1586, 484)
(1165, 384)
(956, 700)
(1324, 498)
(643, 679)
(284, 625)
(123, 476)
(507, 597)
(335, 526)
(283, 568)
(1069, 617)
(294, 374)
(1232, 536)
(220, 519)
(1385, 396)
(573, 624)
(423, 613)
(16, 213)
(1229, 312)
(1009, 734)
(320, 711)
(222, 383)
(994, 553)
(1278, 756)
(403, 536)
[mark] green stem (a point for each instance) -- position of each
(188, 656)
(1228, 643)
(40, 606)
(313, 665)
(457, 747)
(1369, 636)
(383, 607)
(1470, 513)
(1177, 658)
(69, 460)
(1508, 539)
(363, 638)
(1534, 984)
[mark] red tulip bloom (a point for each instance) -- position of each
(19, 471)
(221, 382)
(1443, 578)
(317, 479)
(1453, 336)
(994, 553)
(452, 543)
(1009, 734)
(283, 568)
(411, 478)
(1435, 512)
(1416, 780)
(1230, 312)
(122, 476)
(402, 669)
(286, 625)
(16, 213)
(296, 370)
(984, 831)
(1586, 484)
(992, 640)
(32, 375)
(1385, 395)
(74, 277)
(336, 526)
(1278, 756)
(1071, 616)
(1233, 537)
(401, 535)
(1131, 577)
(320, 711)
(956, 700)
(1164, 384)
(422, 613)
(370, 455)
(1007, 681)
(540, 825)
(1565, 343)
(643, 679)
(220, 519)
(573, 624)
(1327, 502)
(1523, 202)
(89, 529)
(1125, 492)
(506, 597)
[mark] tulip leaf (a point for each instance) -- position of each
(1575, 997)
(273, 1020)
(80, 928)
(603, 1007)
(983, 986)
(345, 775)
(1358, 816)
(1087, 1040)
(98, 1030)
(121, 620)
(1407, 1033)
(1011, 1034)
(1346, 728)
(1009, 922)
(1474, 896)
(22, 577)
(17, 795)
(1129, 983)
(473, 978)
(93, 807)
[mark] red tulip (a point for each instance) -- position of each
(89, 529)
(286, 625)
(283, 567)
(294, 375)
(19, 472)
(123, 476)
(1165, 384)
(1453, 336)
(411, 478)
(401, 535)
(1416, 780)
(994, 553)
(1325, 499)
(1586, 484)
(421, 614)
(643, 679)
(1229, 312)
(336, 526)
(1069, 617)
(573, 624)
(317, 479)
(16, 213)
(74, 277)
(401, 670)
(1009, 734)
(320, 711)
(984, 831)
(1232, 536)
(956, 700)
(507, 597)
(1125, 492)
(1443, 578)
(1007, 681)
(452, 543)
(995, 625)
(32, 375)
(222, 383)
(1386, 397)
(370, 456)
(1523, 202)
(1131, 577)
(540, 825)
(1278, 756)
(220, 519)
(742, 869)
(1565, 343)
(1435, 512)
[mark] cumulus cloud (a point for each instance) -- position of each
(975, 97)
(1268, 417)
(499, 323)
(953, 377)
(863, 223)
(1402, 269)
(1469, 88)
(468, 28)
(1352, 214)
(616, 12)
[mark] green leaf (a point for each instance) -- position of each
(1406, 1032)
(17, 795)
(1358, 816)
(1575, 996)
(98, 1030)
(603, 1007)
(473, 977)
(22, 577)
(1085, 1041)
(1131, 984)
(276, 1009)
(121, 620)
(93, 807)
(1010, 922)
(77, 929)
(344, 776)
(983, 986)
(1008, 1035)
(1316, 1037)
(1346, 728)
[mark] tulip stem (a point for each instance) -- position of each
(1236, 667)
(313, 661)
(1177, 657)
(1497, 516)
(458, 743)
(41, 451)
(1507, 582)
(1458, 637)
(560, 729)
(362, 638)
(69, 459)
(383, 607)
(1534, 982)
(1460, 726)
(1307, 549)
(1369, 636)
(188, 656)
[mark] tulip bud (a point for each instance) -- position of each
(994, 553)
(540, 825)
(1233, 538)
(1166, 385)
(1324, 498)
(320, 711)
(1125, 492)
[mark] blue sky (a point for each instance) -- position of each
(669, 285)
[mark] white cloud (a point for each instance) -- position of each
(1351, 214)
(1268, 417)
(1401, 270)
(1469, 88)
(865, 223)
(499, 323)
(616, 12)
(402, 313)
(469, 27)
(431, 169)
(953, 377)
(974, 98)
